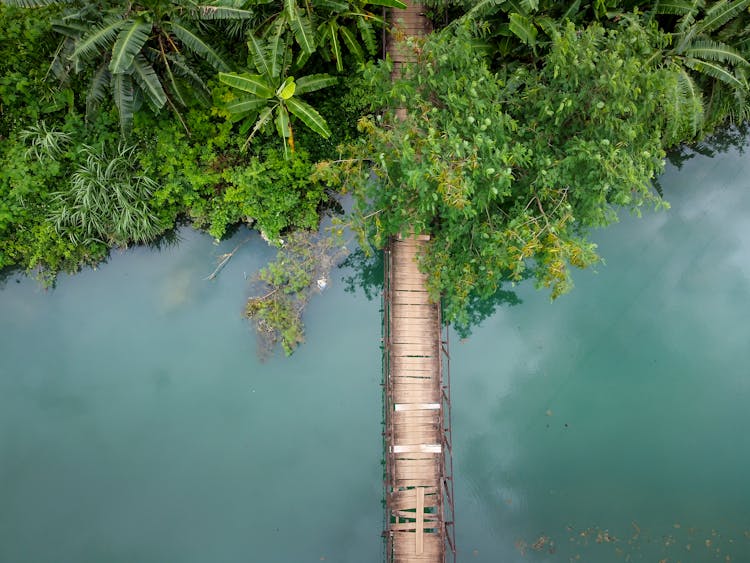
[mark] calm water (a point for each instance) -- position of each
(137, 425)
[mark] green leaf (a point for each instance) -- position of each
(32, 3)
(313, 82)
(149, 83)
(195, 44)
(571, 12)
(335, 6)
(715, 71)
(715, 51)
(122, 91)
(352, 44)
(719, 14)
(258, 52)
(290, 7)
(217, 12)
(244, 105)
(336, 46)
(129, 43)
(303, 34)
(523, 28)
(675, 7)
(389, 3)
(251, 83)
(99, 39)
(277, 48)
(309, 116)
(368, 35)
(263, 118)
(693, 103)
(98, 88)
(282, 122)
(286, 90)
(185, 71)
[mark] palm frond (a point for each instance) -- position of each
(690, 102)
(523, 28)
(190, 39)
(98, 88)
(716, 71)
(291, 10)
(277, 48)
(675, 7)
(218, 12)
(303, 33)
(130, 41)
(259, 55)
(367, 33)
(688, 18)
(336, 45)
(571, 12)
(146, 78)
(708, 50)
(352, 44)
(389, 3)
(309, 116)
(718, 14)
(250, 83)
(98, 40)
(313, 82)
(263, 118)
(242, 107)
(122, 92)
(60, 65)
(196, 87)
(33, 3)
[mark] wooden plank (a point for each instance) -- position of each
(417, 406)
(417, 448)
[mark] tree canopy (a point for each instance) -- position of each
(509, 165)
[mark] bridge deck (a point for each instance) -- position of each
(417, 484)
(418, 481)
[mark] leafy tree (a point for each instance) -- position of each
(272, 94)
(508, 171)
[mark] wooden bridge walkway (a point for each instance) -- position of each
(418, 482)
(419, 469)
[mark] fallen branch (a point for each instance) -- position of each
(224, 258)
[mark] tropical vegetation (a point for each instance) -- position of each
(528, 123)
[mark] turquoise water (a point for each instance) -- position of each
(137, 424)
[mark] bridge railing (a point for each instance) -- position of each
(447, 473)
(388, 434)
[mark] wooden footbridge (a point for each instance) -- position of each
(417, 437)
(419, 469)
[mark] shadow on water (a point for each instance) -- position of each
(366, 273)
(724, 139)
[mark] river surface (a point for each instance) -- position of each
(138, 425)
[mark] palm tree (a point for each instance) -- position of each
(341, 21)
(136, 52)
(713, 72)
(272, 93)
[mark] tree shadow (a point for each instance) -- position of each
(724, 139)
(366, 274)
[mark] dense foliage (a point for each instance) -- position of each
(527, 123)
(115, 126)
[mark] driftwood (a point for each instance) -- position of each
(223, 259)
